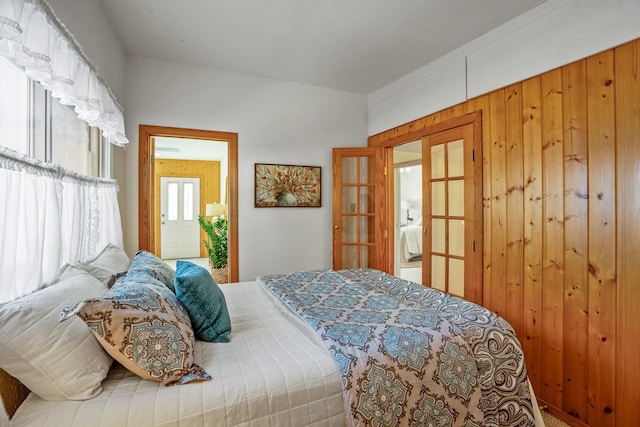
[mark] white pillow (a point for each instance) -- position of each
(112, 258)
(111, 262)
(56, 361)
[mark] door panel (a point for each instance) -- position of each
(451, 244)
(357, 227)
(179, 210)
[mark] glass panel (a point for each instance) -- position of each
(456, 237)
(172, 201)
(38, 119)
(364, 257)
(438, 236)
(455, 158)
(456, 197)
(437, 198)
(349, 170)
(366, 229)
(367, 202)
(349, 199)
(437, 161)
(349, 257)
(438, 272)
(69, 139)
(456, 277)
(188, 201)
(366, 172)
(349, 229)
(14, 98)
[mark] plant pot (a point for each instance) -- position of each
(220, 275)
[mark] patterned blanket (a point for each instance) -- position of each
(408, 354)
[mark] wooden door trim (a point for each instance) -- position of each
(145, 184)
(407, 133)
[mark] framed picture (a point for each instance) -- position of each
(287, 186)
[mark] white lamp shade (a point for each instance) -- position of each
(215, 209)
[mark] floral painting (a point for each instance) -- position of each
(287, 186)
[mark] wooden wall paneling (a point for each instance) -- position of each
(627, 84)
(575, 310)
(552, 238)
(498, 283)
(482, 104)
(532, 231)
(515, 206)
(602, 238)
(581, 229)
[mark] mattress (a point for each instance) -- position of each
(275, 371)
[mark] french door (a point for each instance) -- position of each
(452, 211)
(357, 208)
(364, 214)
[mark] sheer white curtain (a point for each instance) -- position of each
(32, 37)
(50, 216)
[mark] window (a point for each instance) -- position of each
(14, 96)
(35, 124)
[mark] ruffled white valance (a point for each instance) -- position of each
(33, 38)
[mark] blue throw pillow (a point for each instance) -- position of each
(204, 301)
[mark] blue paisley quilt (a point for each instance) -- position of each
(411, 355)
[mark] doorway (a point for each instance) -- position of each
(149, 220)
(407, 169)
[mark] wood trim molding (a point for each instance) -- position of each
(420, 128)
(145, 184)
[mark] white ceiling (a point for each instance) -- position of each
(354, 45)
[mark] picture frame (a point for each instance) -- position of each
(287, 186)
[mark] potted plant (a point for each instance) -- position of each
(216, 244)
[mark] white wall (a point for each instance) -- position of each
(276, 122)
(556, 33)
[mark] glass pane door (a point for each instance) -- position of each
(356, 233)
(446, 209)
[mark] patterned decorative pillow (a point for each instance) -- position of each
(142, 325)
(204, 301)
(150, 264)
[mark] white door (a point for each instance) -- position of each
(179, 210)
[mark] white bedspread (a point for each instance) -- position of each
(274, 372)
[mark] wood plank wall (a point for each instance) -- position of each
(561, 199)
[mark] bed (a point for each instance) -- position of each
(284, 366)
(410, 243)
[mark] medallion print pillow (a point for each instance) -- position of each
(142, 325)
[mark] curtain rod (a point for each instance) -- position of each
(12, 160)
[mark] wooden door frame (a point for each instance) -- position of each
(145, 184)
(408, 133)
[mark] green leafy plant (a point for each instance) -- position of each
(216, 243)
